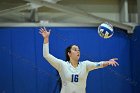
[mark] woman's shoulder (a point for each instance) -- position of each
(84, 62)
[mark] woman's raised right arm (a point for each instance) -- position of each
(55, 62)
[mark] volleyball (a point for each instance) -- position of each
(105, 30)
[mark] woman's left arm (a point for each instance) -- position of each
(96, 65)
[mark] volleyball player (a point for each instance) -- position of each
(72, 72)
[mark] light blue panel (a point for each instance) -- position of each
(24, 63)
(5, 61)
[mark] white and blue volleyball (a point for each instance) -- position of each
(105, 30)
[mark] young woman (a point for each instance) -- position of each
(72, 72)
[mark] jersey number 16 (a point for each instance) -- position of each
(74, 78)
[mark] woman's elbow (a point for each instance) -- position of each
(44, 55)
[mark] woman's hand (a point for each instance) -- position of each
(113, 62)
(44, 32)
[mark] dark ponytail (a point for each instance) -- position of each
(68, 49)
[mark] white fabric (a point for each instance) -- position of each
(73, 79)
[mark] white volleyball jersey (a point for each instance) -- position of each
(73, 79)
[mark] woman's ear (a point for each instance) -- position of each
(69, 54)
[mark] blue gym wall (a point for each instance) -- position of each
(135, 59)
(24, 70)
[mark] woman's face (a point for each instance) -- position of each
(75, 53)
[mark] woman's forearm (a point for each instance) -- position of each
(105, 64)
(46, 40)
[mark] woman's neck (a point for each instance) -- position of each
(74, 63)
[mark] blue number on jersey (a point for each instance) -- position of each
(74, 78)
